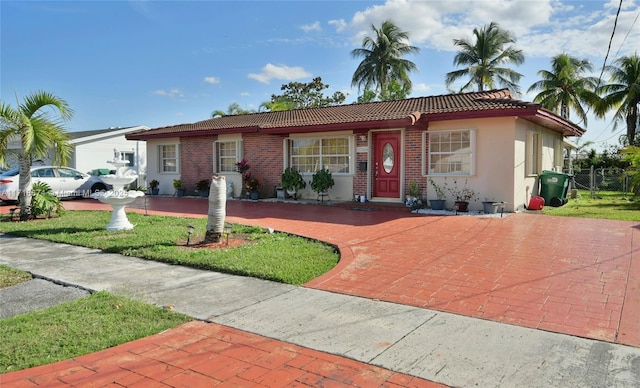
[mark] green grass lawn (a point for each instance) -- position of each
(73, 329)
(102, 320)
(606, 205)
(273, 256)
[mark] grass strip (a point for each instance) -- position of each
(608, 205)
(10, 276)
(272, 256)
(80, 327)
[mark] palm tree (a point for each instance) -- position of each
(233, 109)
(485, 58)
(622, 94)
(564, 88)
(383, 60)
(38, 132)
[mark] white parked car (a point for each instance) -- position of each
(64, 182)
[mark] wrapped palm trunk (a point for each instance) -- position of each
(217, 209)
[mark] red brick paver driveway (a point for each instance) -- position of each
(567, 275)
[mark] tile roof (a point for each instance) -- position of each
(477, 104)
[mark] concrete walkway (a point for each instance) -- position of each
(435, 345)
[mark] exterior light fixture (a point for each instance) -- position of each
(190, 230)
(227, 229)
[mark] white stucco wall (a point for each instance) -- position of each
(153, 172)
(494, 162)
(91, 155)
(500, 159)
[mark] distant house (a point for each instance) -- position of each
(497, 144)
(91, 150)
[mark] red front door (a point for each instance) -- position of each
(386, 164)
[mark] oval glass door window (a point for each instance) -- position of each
(387, 158)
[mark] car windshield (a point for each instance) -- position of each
(12, 172)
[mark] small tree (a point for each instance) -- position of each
(299, 95)
(38, 133)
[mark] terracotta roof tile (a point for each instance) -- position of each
(491, 102)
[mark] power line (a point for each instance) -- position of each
(604, 64)
(613, 32)
(627, 35)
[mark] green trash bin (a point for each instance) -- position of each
(554, 187)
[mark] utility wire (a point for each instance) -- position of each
(604, 64)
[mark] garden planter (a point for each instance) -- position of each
(254, 195)
(461, 206)
(180, 192)
(155, 191)
(490, 207)
(437, 204)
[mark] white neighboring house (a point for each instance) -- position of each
(92, 150)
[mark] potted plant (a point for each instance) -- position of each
(490, 206)
(441, 198)
(252, 186)
(179, 186)
(153, 185)
(413, 196)
(321, 182)
(462, 195)
(202, 187)
(243, 168)
(292, 181)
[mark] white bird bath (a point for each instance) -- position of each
(118, 197)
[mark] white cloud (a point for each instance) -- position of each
(281, 72)
(311, 27)
(339, 24)
(212, 80)
(542, 27)
(173, 93)
(421, 88)
(245, 94)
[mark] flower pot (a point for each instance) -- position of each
(461, 206)
(155, 191)
(437, 204)
(490, 207)
(204, 193)
(180, 192)
(254, 195)
(292, 193)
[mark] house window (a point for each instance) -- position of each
(168, 158)
(227, 154)
(451, 152)
(130, 156)
(312, 154)
(534, 153)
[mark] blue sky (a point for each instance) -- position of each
(158, 63)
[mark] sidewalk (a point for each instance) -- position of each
(439, 346)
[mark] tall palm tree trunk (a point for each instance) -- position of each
(217, 209)
(24, 185)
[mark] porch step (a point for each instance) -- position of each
(373, 206)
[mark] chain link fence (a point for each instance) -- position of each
(600, 179)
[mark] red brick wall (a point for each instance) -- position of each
(413, 158)
(264, 154)
(196, 160)
(360, 177)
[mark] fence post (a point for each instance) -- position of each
(592, 182)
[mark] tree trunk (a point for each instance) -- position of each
(24, 185)
(217, 209)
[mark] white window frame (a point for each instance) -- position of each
(216, 154)
(130, 156)
(429, 152)
(321, 156)
(161, 158)
(533, 156)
